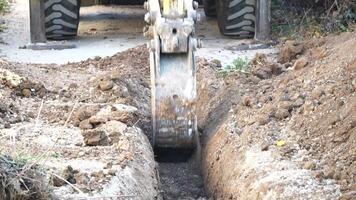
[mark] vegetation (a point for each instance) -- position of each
(238, 65)
(4, 6)
(300, 19)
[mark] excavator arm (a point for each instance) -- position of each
(171, 30)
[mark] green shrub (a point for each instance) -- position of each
(4, 6)
(238, 65)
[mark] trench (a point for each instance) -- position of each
(180, 175)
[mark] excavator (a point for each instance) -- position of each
(172, 42)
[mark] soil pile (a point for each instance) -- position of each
(289, 134)
(81, 122)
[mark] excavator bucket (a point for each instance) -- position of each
(173, 73)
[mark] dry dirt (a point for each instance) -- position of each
(288, 134)
(283, 130)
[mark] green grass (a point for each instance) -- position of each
(4, 6)
(238, 65)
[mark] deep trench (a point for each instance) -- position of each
(181, 178)
(180, 175)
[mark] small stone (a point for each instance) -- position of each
(264, 146)
(85, 125)
(73, 86)
(67, 174)
(300, 64)
(216, 63)
(81, 154)
(285, 105)
(309, 165)
(262, 119)
(329, 173)
(82, 178)
(247, 101)
(282, 113)
(95, 137)
(112, 172)
(98, 174)
(96, 120)
(106, 85)
(7, 125)
(26, 93)
(298, 103)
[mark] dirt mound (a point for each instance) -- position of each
(288, 136)
(105, 154)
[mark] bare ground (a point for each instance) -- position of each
(285, 129)
(288, 134)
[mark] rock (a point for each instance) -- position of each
(329, 172)
(81, 154)
(95, 137)
(282, 113)
(262, 72)
(262, 119)
(124, 108)
(289, 51)
(96, 120)
(310, 165)
(106, 85)
(112, 172)
(7, 125)
(115, 129)
(127, 118)
(246, 101)
(82, 178)
(298, 103)
(85, 124)
(85, 112)
(26, 93)
(98, 174)
(11, 79)
(300, 63)
(265, 146)
(317, 93)
(285, 105)
(67, 174)
(73, 86)
(216, 63)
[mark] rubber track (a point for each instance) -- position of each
(237, 17)
(61, 18)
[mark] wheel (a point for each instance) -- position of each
(62, 19)
(209, 8)
(236, 17)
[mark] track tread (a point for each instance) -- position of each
(236, 17)
(61, 18)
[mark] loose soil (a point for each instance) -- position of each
(285, 129)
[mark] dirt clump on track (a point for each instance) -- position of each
(287, 129)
